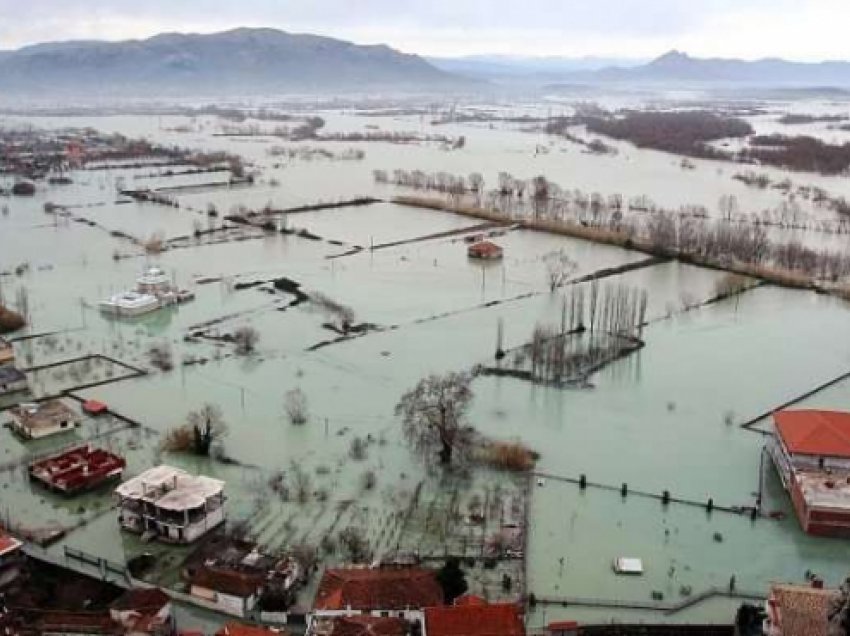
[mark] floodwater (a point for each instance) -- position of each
(663, 419)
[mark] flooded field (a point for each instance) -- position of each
(663, 418)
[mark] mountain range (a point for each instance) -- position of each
(237, 62)
(679, 67)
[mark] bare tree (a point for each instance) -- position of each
(295, 406)
(246, 339)
(559, 267)
(433, 414)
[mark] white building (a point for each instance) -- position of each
(130, 304)
(154, 290)
(170, 504)
(34, 421)
(229, 591)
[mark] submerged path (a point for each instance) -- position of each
(750, 424)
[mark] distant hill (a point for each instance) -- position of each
(678, 67)
(241, 61)
(512, 67)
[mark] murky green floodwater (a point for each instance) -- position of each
(655, 420)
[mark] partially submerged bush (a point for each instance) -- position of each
(10, 320)
(514, 456)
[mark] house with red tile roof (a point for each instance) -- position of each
(485, 250)
(243, 629)
(143, 611)
(360, 625)
(384, 592)
(230, 591)
(811, 452)
(11, 559)
(797, 610)
(473, 616)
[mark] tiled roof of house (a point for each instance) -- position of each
(241, 629)
(378, 589)
(141, 600)
(364, 625)
(495, 619)
(233, 582)
(8, 543)
(810, 432)
(803, 610)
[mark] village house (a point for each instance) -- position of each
(396, 592)
(11, 559)
(797, 610)
(474, 616)
(144, 612)
(485, 250)
(12, 380)
(35, 421)
(170, 504)
(241, 629)
(811, 452)
(226, 590)
(77, 469)
(361, 625)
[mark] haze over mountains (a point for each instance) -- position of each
(241, 61)
(245, 62)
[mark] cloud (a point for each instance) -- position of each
(640, 28)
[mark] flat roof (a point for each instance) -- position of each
(171, 488)
(823, 489)
(814, 432)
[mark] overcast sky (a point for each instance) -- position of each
(798, 29)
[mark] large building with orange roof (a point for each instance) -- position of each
(811, 451)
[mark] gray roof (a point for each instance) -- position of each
(10, 375)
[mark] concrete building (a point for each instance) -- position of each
(811, 452)
(38, 420)
(229, 591)
(170, 504)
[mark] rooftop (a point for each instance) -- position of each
(228, 581)
(361, 625)
(810, 432)
(241, 629)
(378, 589)
(473, 619)
(822, 489)
(9, 374)
(803, 610)
(8, 543)
(170, 488)
(43, 414)
(141, 600)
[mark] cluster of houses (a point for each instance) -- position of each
(12, 379)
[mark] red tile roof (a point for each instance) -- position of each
(495, 619)
(803, 611)
(378, 589)
(241, 584)
(241, 629)
(484, 248)
(809, 432)
(141, 600)
(365, 625)
(8, 543)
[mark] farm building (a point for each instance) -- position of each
(170, 504)
(77, 469)
(811, 451)
(12, 380)
(485, 250)
(34, 421)
(11, 559)
(389, 592)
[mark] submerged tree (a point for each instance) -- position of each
(246, 339)
(295, 406)
(433, 414)
(207, 425)
(559, 267)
